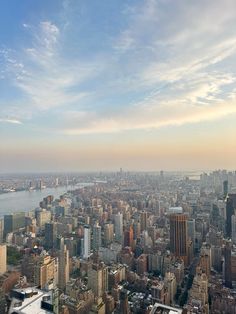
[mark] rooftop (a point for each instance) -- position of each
(29, 300)
(159, 308)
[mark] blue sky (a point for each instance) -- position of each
(89, 85)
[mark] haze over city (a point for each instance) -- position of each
(117, 157)
(98, 85)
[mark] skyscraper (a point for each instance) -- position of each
(230, 207)
(87, 242)
(137, 230)
(98, 279)
(50, 235)
(97, 237)
(63, 271)
(119, 227)
(228, 270)
(233, 226)
(124, 305)
(44, 271)
(128, 236)
(3, 259)
(225, 188)
(178, 235)
(144, 221)
(108, 233)
(13, 222)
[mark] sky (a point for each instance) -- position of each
(98, 85)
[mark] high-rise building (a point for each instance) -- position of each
(225, 188)
(108, 233)
(1, 230)
(3, 258)
(199, 291)
(98, 279)
(137, 230)
(97, 237)
(205, 264)
(43, 217)
(191, 230)
(144, 221)
(45, 271)
(13, 222)
(171, 286)
(129, 236)
(233, 226)
(124, 305)
(142, 264)
(178, 235)
(227, 264)
(50, 235)
(87, 242)
(98, 307)
(118, 227)
(63, 271)
(230, 207)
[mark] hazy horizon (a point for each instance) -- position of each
(112, 171)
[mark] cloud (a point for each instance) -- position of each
(25, 25)
(10, 120)
(168, 64)
(45, 78)
(166, 115)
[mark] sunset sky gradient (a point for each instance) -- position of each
(102, 84)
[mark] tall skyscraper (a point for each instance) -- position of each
(230, 207)
(50, 235)
(108, 233)
(178, 235)
(97, 237)
(191, 230)
(137, 230)
(119, 227)
(225, 188)
(128, 236)
(144, 221)
(44, 271)
(63, 271)
(87, 242)
(3, 258)
(227, 268)
(98, 279)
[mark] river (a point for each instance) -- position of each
(25, 201)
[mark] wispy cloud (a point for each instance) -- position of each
(46, 79)
(166, 115)
(9, 120)
(169, 64)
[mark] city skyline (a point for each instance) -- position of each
(99, 85)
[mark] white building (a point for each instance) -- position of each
(161, 308)
(87, 242)
(32, 301)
